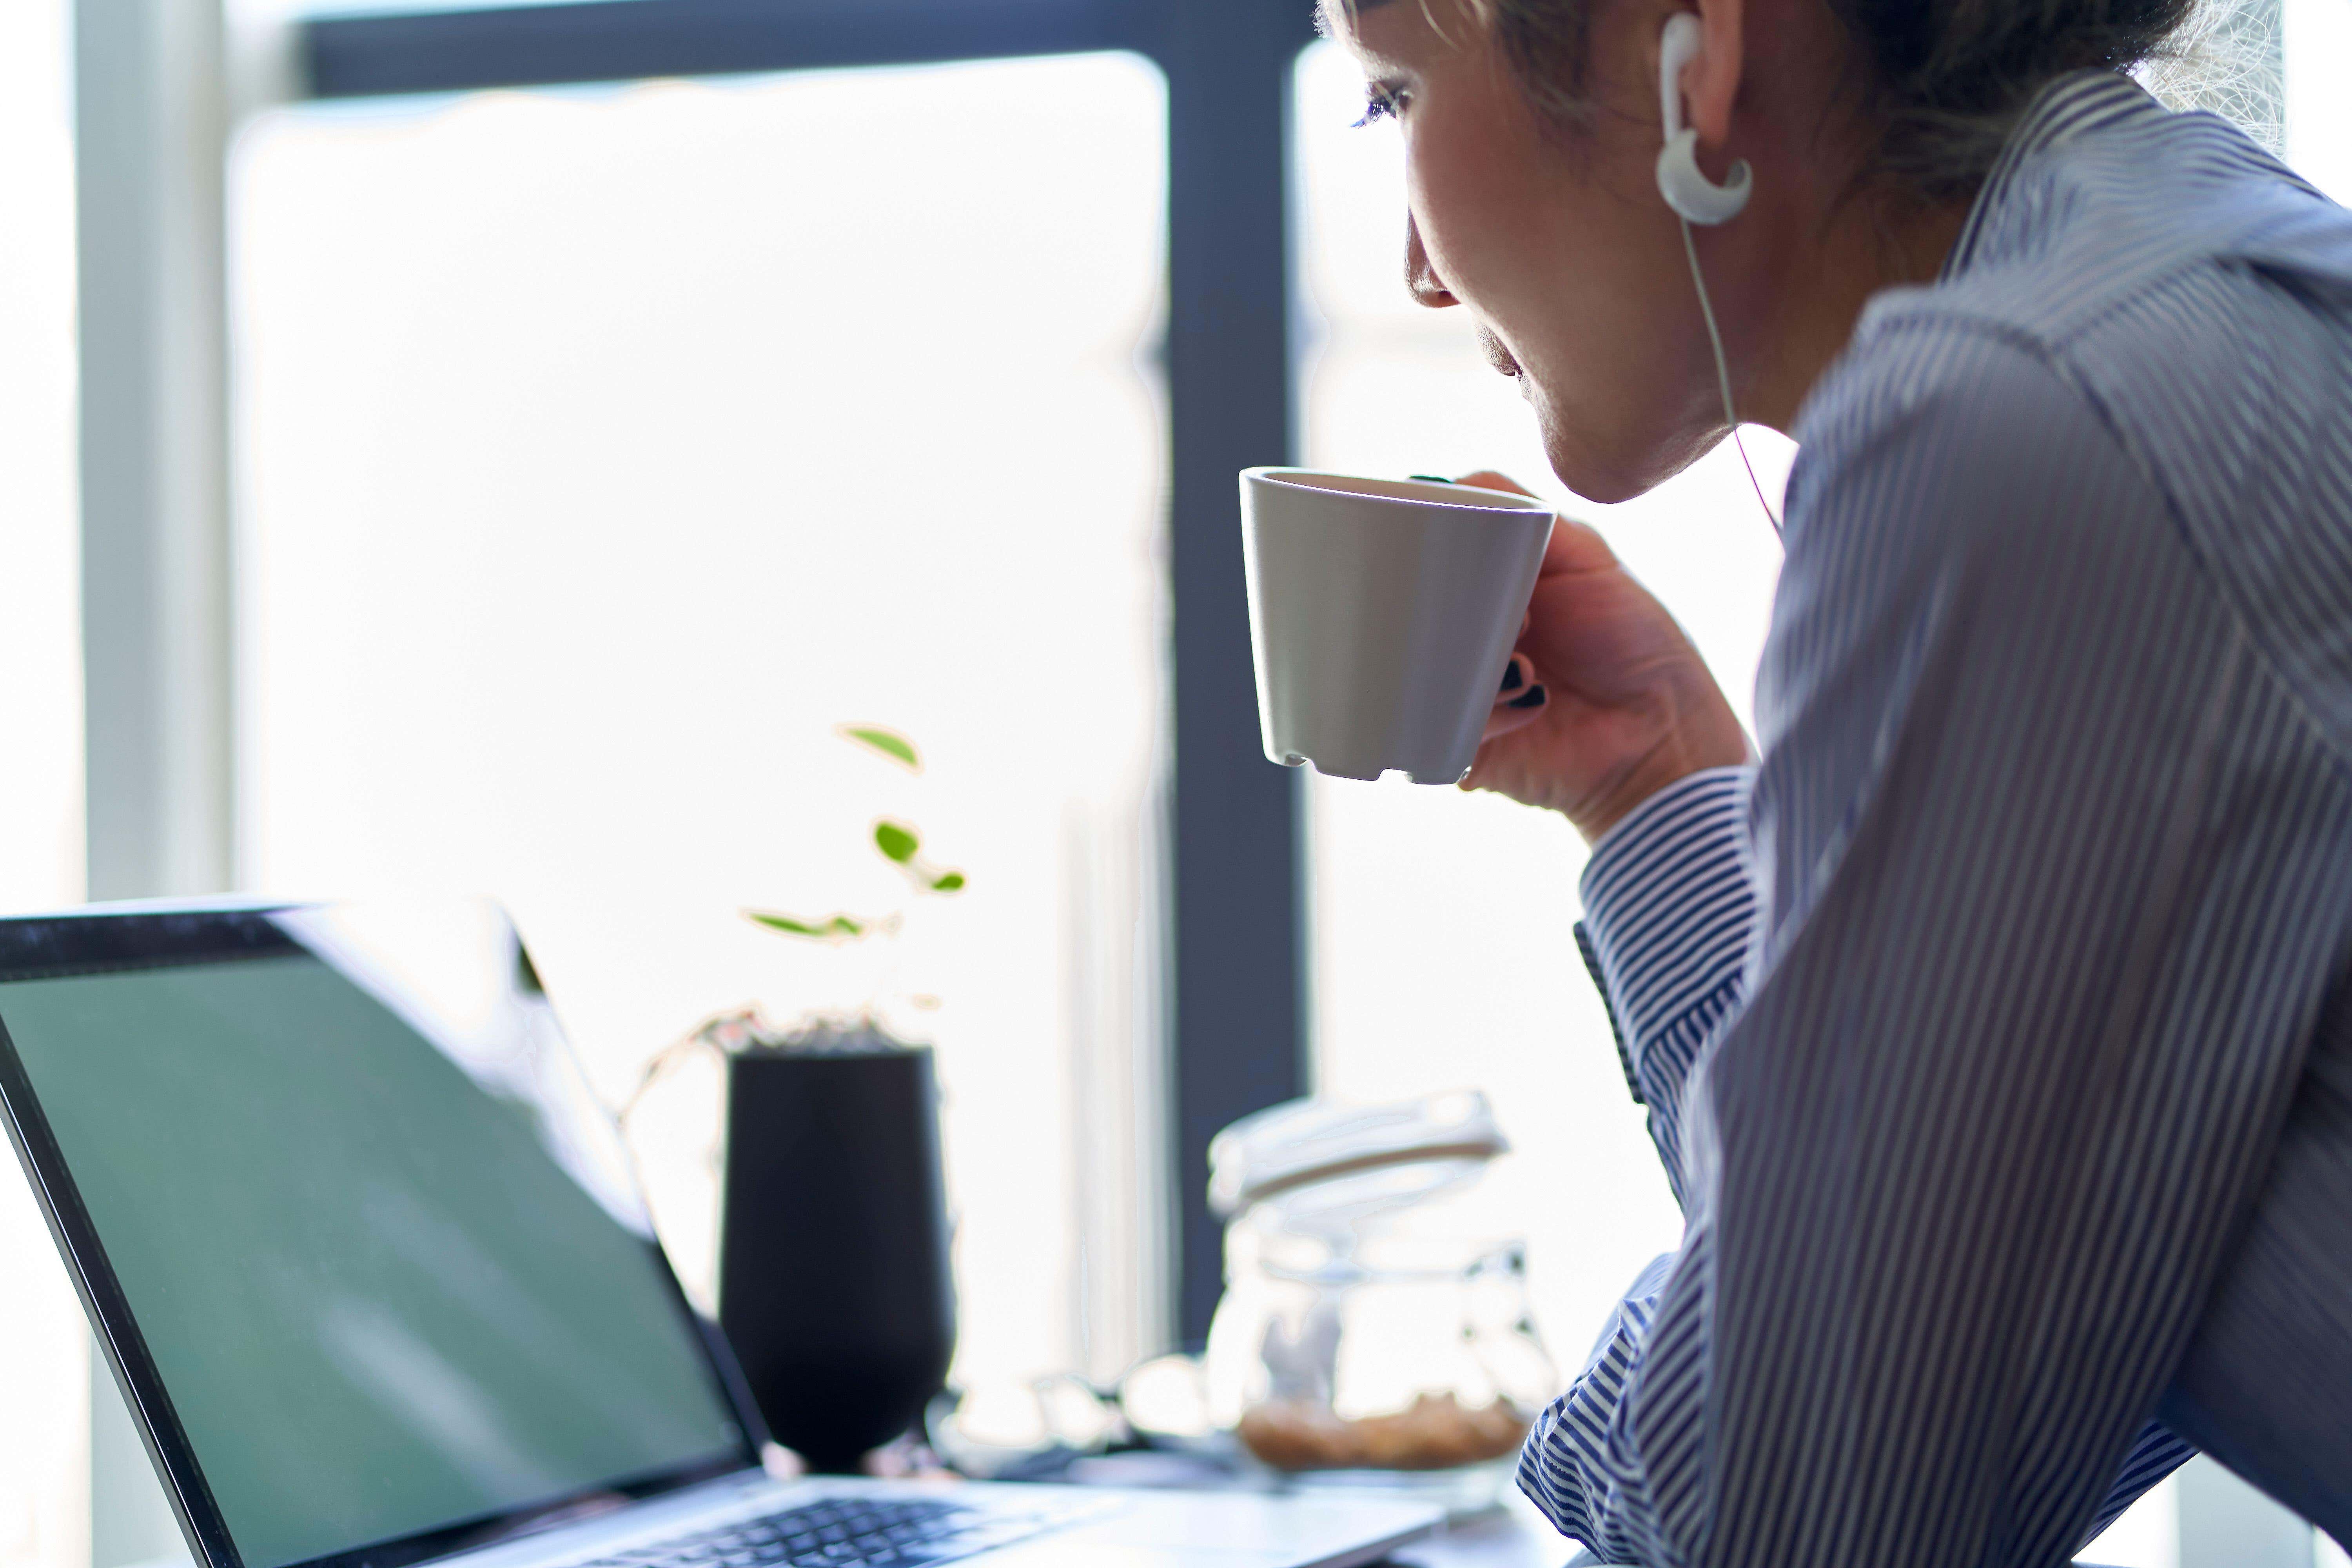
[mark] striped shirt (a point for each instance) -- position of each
(1996, 1031)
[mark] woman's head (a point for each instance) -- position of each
(1532, 127)
(1938, 83)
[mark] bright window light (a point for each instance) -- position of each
(268, 12)
(44, 1365)
(2146, 1536)
(602, 450)
(2318, 113)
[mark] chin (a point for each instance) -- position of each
(1606, 463)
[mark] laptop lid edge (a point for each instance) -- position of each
(111, 1322)
(115, 1325)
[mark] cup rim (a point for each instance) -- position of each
(1406, 492)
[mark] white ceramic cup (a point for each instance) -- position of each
(1382, 613)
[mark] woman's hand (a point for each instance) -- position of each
(1611, 703)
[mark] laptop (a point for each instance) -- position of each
(367, 1261)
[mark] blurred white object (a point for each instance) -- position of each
(998, 1427)
(2226, 1523)
(1381, 615)
(1369, 1323)
(1167, 1398)
(1423, 1145)
(2147, 1534)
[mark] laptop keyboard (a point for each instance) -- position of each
(842, 1532)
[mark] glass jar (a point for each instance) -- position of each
(1372, 1319)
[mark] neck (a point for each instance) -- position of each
(1859, 248)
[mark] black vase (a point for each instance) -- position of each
(834, 1285)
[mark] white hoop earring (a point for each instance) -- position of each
(1681, 182)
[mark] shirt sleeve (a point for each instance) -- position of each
(1670, 907)
(1948, 1225)
(1561, 1469)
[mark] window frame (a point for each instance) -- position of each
(1236, 966)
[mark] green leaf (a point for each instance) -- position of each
(949, 882)
(785, 923)
(890, 743)
(839, 926)
(896, 840)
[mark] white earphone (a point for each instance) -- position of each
(1694, 198)
(1687, 190)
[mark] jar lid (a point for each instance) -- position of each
(1304, 1142)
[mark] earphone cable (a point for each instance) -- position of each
(1723, 374)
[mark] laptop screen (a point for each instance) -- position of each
(383, 1253)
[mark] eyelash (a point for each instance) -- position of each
(1381, 103)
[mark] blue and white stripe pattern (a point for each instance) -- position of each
(1997, 1029)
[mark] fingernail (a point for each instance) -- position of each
(1513, 676)
(1534, 696)
(1431, 478)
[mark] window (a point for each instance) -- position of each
(1226, 883)
(43, 1358)
(604, 449)
(2316, 33)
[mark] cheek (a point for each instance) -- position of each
(1475, 183)
(1571, 258)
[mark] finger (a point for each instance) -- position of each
(1512, 714)
(1503, 721)
(1488, 479)
(1576, 547)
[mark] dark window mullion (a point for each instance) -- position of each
(1240, 1035)
(620, 41)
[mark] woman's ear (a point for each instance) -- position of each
(1711, 80)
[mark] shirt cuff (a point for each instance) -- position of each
(1669, 900)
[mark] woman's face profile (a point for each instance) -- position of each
(1555, 240)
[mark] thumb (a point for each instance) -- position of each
(1574, 547)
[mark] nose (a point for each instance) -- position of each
(1420, 279)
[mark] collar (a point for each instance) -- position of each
(2069, 107)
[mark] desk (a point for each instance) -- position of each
(1512, 1536)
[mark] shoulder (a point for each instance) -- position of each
(1975, 563)
(2139, 363)
(1958, 497)
(2076, 236)
(1945, 434)
(2149, 248)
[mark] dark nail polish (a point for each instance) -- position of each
(1532, 698)
(1512, 676)
(1431, 478)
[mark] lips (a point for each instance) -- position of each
(1496, 355)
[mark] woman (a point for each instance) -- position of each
(1994, 1019)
